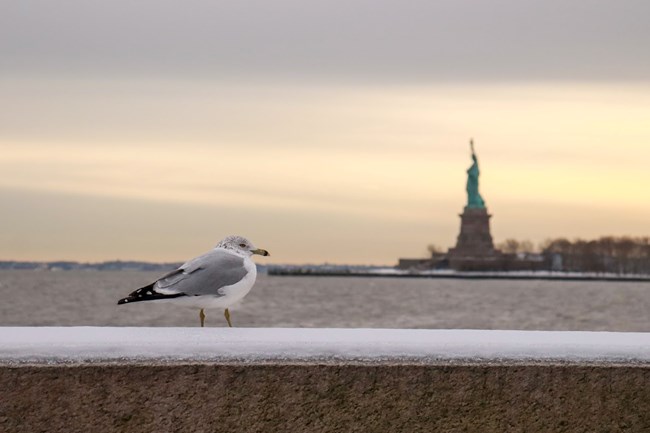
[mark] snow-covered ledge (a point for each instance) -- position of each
(111, 344)
(322, 380)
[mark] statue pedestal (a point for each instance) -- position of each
(474, 249)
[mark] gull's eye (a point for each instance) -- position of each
(242, 245)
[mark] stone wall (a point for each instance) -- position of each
(316, 397)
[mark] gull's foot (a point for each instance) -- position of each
(226, 314)
(202, 317)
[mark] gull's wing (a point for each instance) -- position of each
(203, 275)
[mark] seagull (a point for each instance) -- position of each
(216, 279)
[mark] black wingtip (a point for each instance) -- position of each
(147, 293)
(142, 294)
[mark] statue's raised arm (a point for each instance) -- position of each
(471, 146)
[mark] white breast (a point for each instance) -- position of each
(240, 289)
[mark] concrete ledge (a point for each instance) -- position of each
(267, 380)
(48, 345)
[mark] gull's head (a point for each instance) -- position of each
(241, 245)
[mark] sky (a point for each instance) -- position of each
(325, 131)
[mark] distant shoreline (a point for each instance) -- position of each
(391, 273)
(64, 265)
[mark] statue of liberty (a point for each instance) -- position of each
(474, 199)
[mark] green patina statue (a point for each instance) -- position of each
(474, 199)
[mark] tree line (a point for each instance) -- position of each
(622, 255)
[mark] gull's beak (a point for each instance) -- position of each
(261, 252)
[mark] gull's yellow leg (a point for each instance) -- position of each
(202, 317)
(226, 313)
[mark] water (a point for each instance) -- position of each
(80, 298)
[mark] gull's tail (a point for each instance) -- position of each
(147, 293)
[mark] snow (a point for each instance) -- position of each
(115, 344)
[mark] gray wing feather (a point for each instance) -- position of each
(204, 275)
